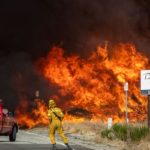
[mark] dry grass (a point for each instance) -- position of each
(83, 128)
(92, 132)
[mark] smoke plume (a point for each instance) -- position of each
(29, 28)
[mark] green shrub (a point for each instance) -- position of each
(137, 133)
(119, 131)
(105, 133)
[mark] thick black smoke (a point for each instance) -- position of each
(29, 28)
(33, 26)
(20, 80)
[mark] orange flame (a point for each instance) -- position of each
(37, 116)
(96, 84)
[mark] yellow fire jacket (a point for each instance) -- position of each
(55, 114)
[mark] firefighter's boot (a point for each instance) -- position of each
(68, 147)
(54, 147)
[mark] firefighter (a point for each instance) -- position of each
(55, 116)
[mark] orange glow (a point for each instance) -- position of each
(30, 118)
(95, 84)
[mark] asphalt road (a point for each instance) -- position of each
(30, 141)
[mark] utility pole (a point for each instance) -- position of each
(148, 110)
(126, 108)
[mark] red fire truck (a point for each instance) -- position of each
(8, 124)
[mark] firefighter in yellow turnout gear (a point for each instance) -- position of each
(55, 116)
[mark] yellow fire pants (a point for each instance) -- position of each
(56, 125)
